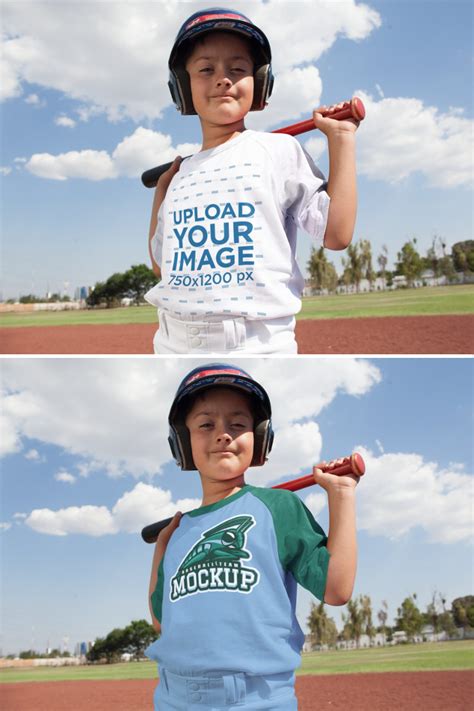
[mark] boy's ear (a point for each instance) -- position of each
(180, 89)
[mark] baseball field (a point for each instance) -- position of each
(420, 321)
(435, 676)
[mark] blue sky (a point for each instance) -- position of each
(85, 464)
(86, 109)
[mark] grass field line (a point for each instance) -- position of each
(425, 301)
(442, 656)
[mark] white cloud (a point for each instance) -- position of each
(114, 417)
(5, 526)
(88, 164)
(112, 57)
(86, 520)
(135, 509)
(5, 170)
(131, 157)
(401, 492)
(316, 503)
(33, 455)
(297, 447)
(66, 477)
(401, 137)
(65, 121)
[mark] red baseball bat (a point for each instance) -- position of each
(354, 464)
(353, 109)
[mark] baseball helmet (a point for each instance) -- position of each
(218, 18)
(213, 375)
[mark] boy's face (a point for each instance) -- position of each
(221, 72)
(220, 424)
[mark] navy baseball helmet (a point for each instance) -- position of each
(209, 20)
(214, 375)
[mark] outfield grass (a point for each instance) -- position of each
(425, 301)
(422, 657)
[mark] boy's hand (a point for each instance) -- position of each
(166, 533)
(330, 126)
(330, 481)
(166, 178)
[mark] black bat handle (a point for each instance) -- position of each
(150, 533)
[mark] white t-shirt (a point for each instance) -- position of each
(226, 233)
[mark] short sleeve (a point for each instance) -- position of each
(301, 542)
(305, 199)
(157, 594)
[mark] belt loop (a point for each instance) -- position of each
(162, 320)
(229, 333)
(234, 686)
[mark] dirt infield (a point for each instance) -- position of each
(394, 334)
(410, 691)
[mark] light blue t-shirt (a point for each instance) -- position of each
(226, 590)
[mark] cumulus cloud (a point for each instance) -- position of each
(65, 121)
(66, 477)
(5, 170)
(33, 455)
(134, 510)
(401, 492)
(115, 414)
(130, 44)
(401, 137)
(130, 158)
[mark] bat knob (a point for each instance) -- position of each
(358, 110)
(358, 464)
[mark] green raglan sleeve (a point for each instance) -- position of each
(302, 543)
(157, 594)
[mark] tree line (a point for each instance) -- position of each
(358, 264)
(359, 619)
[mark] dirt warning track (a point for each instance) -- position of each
(410, 691)
(394, 334)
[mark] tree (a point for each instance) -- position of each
(462, 609)
(410, 264)
(382, 616)
(410, 619)
(137, 636)
(365, 251)
(323, 628)
(353, 266)
(323, 273)
(432, 261)
(463, 256)
(353, 621)
(366, 614)
(382, 261)
(137, 280)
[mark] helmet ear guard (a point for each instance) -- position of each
(180, 89)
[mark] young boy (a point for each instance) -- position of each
(224, 221)
(224, 576)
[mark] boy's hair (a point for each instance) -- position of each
(211, 20)
(198, 382)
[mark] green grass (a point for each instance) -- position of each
(426, 301)
(130, 314)
(404, 657)
(404, 302)
(421, 657)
